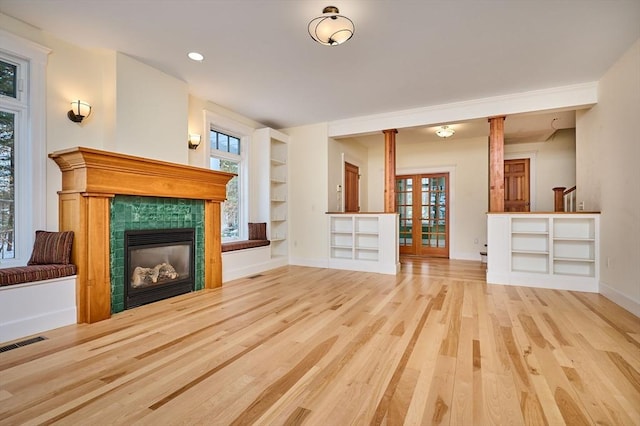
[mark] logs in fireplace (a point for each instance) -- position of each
(159, 264)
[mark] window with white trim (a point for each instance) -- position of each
(11, 106)
(225, 157)
(22, 146)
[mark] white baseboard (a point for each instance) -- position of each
(462, 255)
(247, 262)
(314, 263)
(620, 299)
(47, 321)
(31, 308)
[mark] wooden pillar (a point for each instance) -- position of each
(212, 245)
(390, 170)
(87, 215)
(558, 199)
(496, 164)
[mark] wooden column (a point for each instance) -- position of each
(558, 199)
(496, 164)
(212, 245)
(390, 170)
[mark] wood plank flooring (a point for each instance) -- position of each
(296, 345)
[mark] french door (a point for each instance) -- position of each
(423, 205)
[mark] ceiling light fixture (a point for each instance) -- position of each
(331, 29)
(195, 56)
(445, 132)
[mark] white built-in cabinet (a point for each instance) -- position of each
(364, 242)
(270, 187)
(553, 250)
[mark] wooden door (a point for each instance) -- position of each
(351, 188)
(423, 206)
(516, 185)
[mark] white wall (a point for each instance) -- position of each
(308, 171)
(136, 109)
(608, 175)
(151, 112)
(552, 164)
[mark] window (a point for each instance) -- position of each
(7, 176)
(22, 146)
(225, 156)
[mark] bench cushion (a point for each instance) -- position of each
(51, 248)
(25, 274)
(245, 244)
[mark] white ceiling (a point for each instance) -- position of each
(261, 62)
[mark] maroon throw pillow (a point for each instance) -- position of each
(51, 247)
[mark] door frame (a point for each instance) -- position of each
(531, 155)
(452, 197)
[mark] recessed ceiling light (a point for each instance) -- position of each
(195, 56)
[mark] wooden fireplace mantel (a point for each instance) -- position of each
(91, 177)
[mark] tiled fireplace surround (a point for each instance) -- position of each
(148, 213)
(104, 193)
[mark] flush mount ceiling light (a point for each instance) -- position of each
(331, 29)
(445, 132)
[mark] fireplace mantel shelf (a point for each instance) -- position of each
(91, 177)
(89, 170)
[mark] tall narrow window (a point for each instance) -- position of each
(226, 157)
(9, 92)
(7, 192)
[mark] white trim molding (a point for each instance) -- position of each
(573, 96)
(31, 143)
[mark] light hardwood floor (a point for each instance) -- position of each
(297, 345)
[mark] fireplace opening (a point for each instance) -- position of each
(159, 264)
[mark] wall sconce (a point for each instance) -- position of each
(79, 111)
(194, 141)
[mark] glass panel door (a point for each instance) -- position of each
(425, 204)
(404, 198)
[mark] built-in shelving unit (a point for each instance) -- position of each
(530, 245)
(558, 250)
(271, 176)
(364, 242)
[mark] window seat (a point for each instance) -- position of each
(244, 244)
(257, 238)
(31, 273)
(42, 295)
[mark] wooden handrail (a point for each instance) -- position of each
(569, 191)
